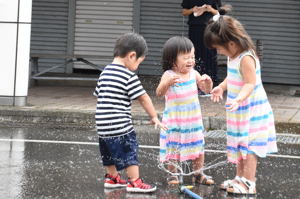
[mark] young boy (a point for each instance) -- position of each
(116, 87)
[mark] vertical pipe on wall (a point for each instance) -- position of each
(16, 55)
(71, 34)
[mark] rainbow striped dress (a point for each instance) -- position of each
(250, 129)
(184, 138)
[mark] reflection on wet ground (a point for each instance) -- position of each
(33, 167)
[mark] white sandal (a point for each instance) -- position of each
(228, 183)
(236, 188)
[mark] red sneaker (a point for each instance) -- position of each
(139, 187)
(114, 182)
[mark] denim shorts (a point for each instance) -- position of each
(120, 151)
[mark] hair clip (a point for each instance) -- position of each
(216, 17)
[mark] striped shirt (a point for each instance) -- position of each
(115, 89)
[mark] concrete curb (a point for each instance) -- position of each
(40, 116)
(81, 118)
(85, 119)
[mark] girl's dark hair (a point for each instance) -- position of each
(171, 49)
(130, 42)
(225, 29)
(225, 9)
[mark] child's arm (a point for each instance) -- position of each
(204, 82)
(147, 104)
(247, 69)
(217, 92)
(166, 81)
(223, 85)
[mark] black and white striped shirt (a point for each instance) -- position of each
(116, 87)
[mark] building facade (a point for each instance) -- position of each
(64, 29)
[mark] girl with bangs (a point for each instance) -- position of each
(179, 85)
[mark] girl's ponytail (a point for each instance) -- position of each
(223, 29)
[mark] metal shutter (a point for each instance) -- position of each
(97, 26)
(159, 20)
(277, 24)
(49, 31)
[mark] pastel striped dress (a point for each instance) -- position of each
(250, 129)
(184, 138)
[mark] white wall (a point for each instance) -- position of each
(15, 28)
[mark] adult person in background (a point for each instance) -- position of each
(199, 12)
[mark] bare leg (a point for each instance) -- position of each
(198, 164)
(111, 170)
(240, 168)
(133, 172)
(250, 164)
(171, 166)
(247, 169)
(173, 179)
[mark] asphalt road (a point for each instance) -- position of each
(61, 162)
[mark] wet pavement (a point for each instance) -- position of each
(63, 162)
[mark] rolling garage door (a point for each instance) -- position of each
(279, 31)
(97, 25)
(159, 20)
(49, 31)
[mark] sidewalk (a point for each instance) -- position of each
(75, 105)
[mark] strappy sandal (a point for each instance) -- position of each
(228, 183)
(203, 179)
(172, 180)
(238, 189)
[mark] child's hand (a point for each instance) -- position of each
(232, 105)
(217, 94)
(167, 80)
(173, 80)
(156, 123)
(205, 83)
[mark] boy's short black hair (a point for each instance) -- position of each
(130, 42)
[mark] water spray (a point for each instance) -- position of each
(184, 169)
(182, 188)
(181, 172)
